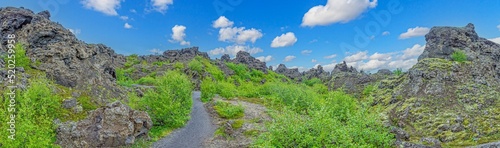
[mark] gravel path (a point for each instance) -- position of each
(198, 128)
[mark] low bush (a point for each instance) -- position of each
(195, 65)
(228, 110)
(208, 89)
(459, 56)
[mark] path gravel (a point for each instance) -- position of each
(198, 128)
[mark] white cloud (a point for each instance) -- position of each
(330, 56)
(124, 18)
(329, 67)
(265, 58)
(127, 26)
(284, 40)
(234, 49)
(371, 65)
(314, 60)
(306, 52)
(386, 33)
(75, 31)
(414, 32)
(496, 40)
(336, 11)
(413, 52)
(222, 22)
(498, 27)
(155, 51)
(380, 56)
(289, 58)
(356, 57)
(403, 64)
(161, 5)
(133, 11)
(239, 35)
(107, 7)
(178, 35)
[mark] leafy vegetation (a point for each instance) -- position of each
(195, 65)
(168, 105)
(398, 72)
(459, 56)
(228, 110)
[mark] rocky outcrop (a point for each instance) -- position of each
(349, 79)
(111, 126)
(243, 57)
(293, 73)
(462, 97)
(56, 51)
(184, 55)
(317, 72)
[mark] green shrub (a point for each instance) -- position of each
(195, 65)
(459, 56)
(368, 90)
(170, 103)
(36, 109)
(227, 90)
(240, 70)
(237, 124)
(208, 89)
(311, 82)
(21, 59)
(178, 66)
(228, 110)
(398, 72)
(147, 80)
(213, 70)
(132, 60)
(123, 77)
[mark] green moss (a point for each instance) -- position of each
(237, 124)
(229, 111)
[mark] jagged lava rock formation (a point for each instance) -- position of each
(456, 104)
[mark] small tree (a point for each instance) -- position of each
(398, 71)
(459, 56)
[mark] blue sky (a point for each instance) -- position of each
(367, 34)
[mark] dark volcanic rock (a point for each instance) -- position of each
(342, 67)
(184, 55)
(349, 79)
(111, 126)
(225, 58)
(318, 73)
(243, 57)
(384, 72)
(62, 57)
(293, 73)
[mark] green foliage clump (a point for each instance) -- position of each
(311, 82)
(169, 104)
(293, 96)
(237, 124)
(195, 65)
(147, 80)
(178, 66)
(35, 110)
(132, 60)
(398, 72)
(459, 56)
(213, 70)
(368, 90)
(240, 70)
(349, 125)
(208, 89)
(228, 110)
(227, 90)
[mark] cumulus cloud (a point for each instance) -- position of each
(178, 35)
(496, 40)
(161, 5)
(386, 33)
(336, 11)
(413, 52)
(239, 35)
(107, 7)
(155, 51)
(314, 60)
(289, 58)
(222, 22)
(330, 56)
(414, 32)
(357, 57)
(380, 56)
(306, 52)
(265, 58)
(127, 26)
(234, 49)
(370, 65)
(329, 67)
(124, 18)
(284, 40)
(75, 31)
(498, 27)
